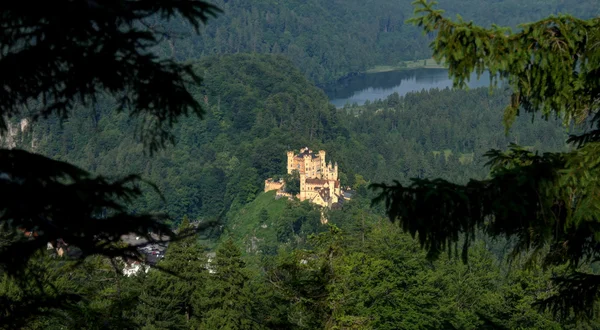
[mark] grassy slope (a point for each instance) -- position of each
(245, 224)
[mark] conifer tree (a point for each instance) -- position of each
(225, 301)
(61, 56)
(549, 203)
(292, 183)
(166, 298)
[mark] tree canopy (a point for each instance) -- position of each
(53, 57)
(548, 203)
(328, 40)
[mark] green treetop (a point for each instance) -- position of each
(55, 57)
(552, 65)
(548, 204)
(166, 299)
(226, 302)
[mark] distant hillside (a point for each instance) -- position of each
(260, 106)
(257, 107)
(328, 39)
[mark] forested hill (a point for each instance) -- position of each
(257, 106)
(330, 39)
(260, 106)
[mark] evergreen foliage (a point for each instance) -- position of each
(53, 57)
(547, 203)
(55, 294)
(329, 40)
(292, 183)
(166, 298)
(51, 60)
(220, 163)
(226, 302)
(361, 272)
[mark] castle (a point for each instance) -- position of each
(319, 181)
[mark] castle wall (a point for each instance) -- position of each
(302, 195)
(290, 162)
(322, 154)
(307, 162)
(318, 182)
(272, 185)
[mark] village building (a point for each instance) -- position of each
(319, 182)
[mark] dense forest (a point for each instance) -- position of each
(331, 39)
(363, 273)
(240, 258)
(260, 106)
(270, 271)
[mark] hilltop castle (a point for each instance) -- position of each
(319, 181)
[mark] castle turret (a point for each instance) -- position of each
(302, 187)
(335, 171)
(319, 181)
(329, 172)
(307, 162)
(290, 162)
(322, 154)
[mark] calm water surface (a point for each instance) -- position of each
(373, 86)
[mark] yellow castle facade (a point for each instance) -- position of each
(319, 181)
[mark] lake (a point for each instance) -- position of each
(373, 86)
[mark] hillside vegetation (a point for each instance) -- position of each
(260, 106)
(243, 259)
(330, 39)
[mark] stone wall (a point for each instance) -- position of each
(273, 185)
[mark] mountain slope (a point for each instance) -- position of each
(260, 106)
(257, 107)
(329, 39)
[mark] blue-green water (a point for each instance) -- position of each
(373, 86)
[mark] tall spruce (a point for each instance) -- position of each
(54, 57)
(225, 301)
(547, 203)
(166, 297)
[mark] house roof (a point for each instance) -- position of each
(324, 193)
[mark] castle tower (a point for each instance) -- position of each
(307, 165)
(302, 187)
(322, 154)
(290, 163)
(335, 171)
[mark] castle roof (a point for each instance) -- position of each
(316, 181)
(324, 194)
(306, 152)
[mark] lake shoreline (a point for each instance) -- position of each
(373, 86)
(426, 63)
(405, 66)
